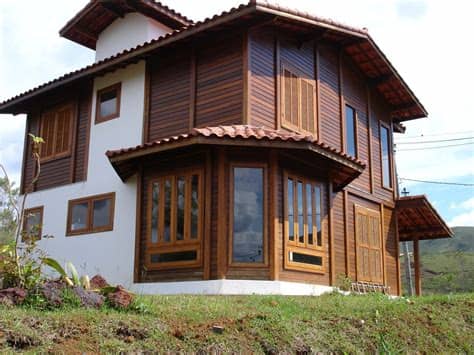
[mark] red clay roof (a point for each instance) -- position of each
(367, 55)
(237, 131)
(418, 219)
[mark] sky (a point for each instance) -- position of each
(428, 41)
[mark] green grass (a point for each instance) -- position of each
(259, 324)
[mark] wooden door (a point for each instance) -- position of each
(368, 245)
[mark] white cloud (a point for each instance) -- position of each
(462, 220)
(465, 205)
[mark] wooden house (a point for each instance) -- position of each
(251, 152)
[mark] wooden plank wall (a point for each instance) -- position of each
(195, 87)
(339, 82)
(72, 168)
(262, 97)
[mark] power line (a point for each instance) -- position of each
(436, 141)
(437, 182)
(439, 147)
(437, 134)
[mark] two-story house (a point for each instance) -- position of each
(251, 152)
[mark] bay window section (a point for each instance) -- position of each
(248, 225)
(175, 221)
(306, 252)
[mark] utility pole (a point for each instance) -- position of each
(407, 258)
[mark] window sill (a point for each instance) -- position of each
(82, 232)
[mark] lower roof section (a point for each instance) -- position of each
(417, 219)
(341, 167)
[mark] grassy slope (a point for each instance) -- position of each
(441, 324)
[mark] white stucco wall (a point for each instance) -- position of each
(109, 253)
(127, 32)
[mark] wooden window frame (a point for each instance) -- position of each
(248, 165)
(358, 209)
(27, 211)
(89, 229)
(174, 245)
(72, 132)
(300, 77)
(296, 245)
(118, 90)
(356, 128)
(390, 148)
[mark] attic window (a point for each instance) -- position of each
(108, 103)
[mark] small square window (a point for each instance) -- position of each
(32, 223)
(91, 214)
(108, 103)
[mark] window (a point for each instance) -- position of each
(351, 136)
(108, 103)
(32, 223)
(304, 245)
(298, 101)
(248, 215)
(175, 220)
(385, 155)
(369, 245)
(56, 129)
(91, 214)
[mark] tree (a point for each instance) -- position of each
(8, 209)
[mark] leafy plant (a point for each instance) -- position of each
(72, 279)
(344, 282)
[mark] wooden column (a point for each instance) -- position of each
(416, 252)
(221, 215)
(274, 223)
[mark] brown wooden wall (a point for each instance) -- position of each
(195, 87)
(72, 168)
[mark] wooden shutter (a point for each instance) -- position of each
(56, 131)
(47, 133)
(307, 106)
(290, 98)
(368, 245)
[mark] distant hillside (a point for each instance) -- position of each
(447, 264)
(463, 241)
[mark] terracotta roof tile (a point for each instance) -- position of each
(235, 132)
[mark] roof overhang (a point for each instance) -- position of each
(417, 219)
(86, 26)
(355, 43)
(342, 169)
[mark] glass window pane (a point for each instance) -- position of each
(108, 103)
(188, 255)
(291, 215)
(306, 259)
(101, 213)
(167, 231)
(300, 212)
(385, 142)
(194, 206)
(350, 131)
(154, 212)
(79, 215)
(248, 215)
(181, 182)
(33, 224)
(309, 212)
(317, 195)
